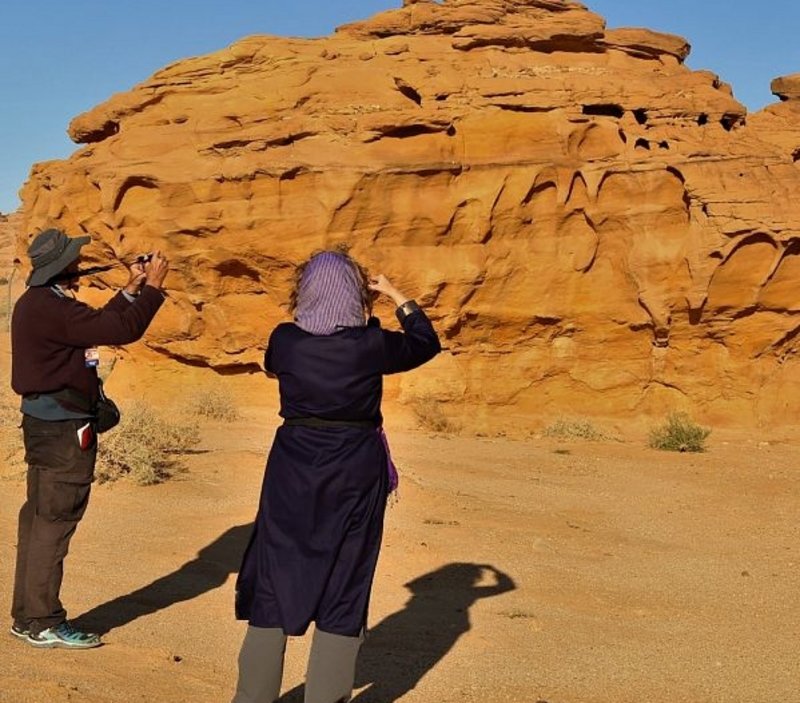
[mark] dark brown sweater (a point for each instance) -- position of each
(50, 333)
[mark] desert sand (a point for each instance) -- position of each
(565, 571)
(597, 231)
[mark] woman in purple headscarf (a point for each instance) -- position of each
(318, 531)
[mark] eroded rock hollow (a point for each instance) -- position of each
(597, 229)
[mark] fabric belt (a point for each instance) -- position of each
(322, 422)
(391, 469)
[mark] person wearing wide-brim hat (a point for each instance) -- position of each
(52, 252)
(54, 340)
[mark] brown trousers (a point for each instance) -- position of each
(60, 475)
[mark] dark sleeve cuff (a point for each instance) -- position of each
(410, 306)
(147, 287)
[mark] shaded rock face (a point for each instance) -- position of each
(595, 228)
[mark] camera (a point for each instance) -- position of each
(143, 258)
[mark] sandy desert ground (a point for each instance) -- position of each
(527, 571)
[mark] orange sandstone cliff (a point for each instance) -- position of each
(595, 228)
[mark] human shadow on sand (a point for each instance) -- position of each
(407, 644)
(207, 571)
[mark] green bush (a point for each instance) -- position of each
(144, 447)
(679, 434)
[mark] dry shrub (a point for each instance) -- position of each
(679, 434)
(144, 447)
(12, 450)
(574, 429)
(431, 417)
(214, 403)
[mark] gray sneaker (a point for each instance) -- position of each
(64, 636)
(20, 631)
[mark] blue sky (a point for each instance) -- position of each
(59, 58)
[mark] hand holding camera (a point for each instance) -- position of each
(137, 276)
(155, 269)
(149, 269)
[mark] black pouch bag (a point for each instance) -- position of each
(108, 414)
(105, 410)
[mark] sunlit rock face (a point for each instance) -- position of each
(595, 228)
(9, 234)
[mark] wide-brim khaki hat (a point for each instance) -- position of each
(51, 252)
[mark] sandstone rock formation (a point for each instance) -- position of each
(7, 230)
(780, 123)
(597, 229)
(9, 234)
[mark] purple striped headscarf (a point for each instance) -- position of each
(329, 295)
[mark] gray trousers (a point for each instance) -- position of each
(329, 678)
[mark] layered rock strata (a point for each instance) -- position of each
(596, 229)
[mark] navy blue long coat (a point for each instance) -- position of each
(317, 535)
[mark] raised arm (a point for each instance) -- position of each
(83, 326)
(136, 279)
(115, 324)
(417, 343)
